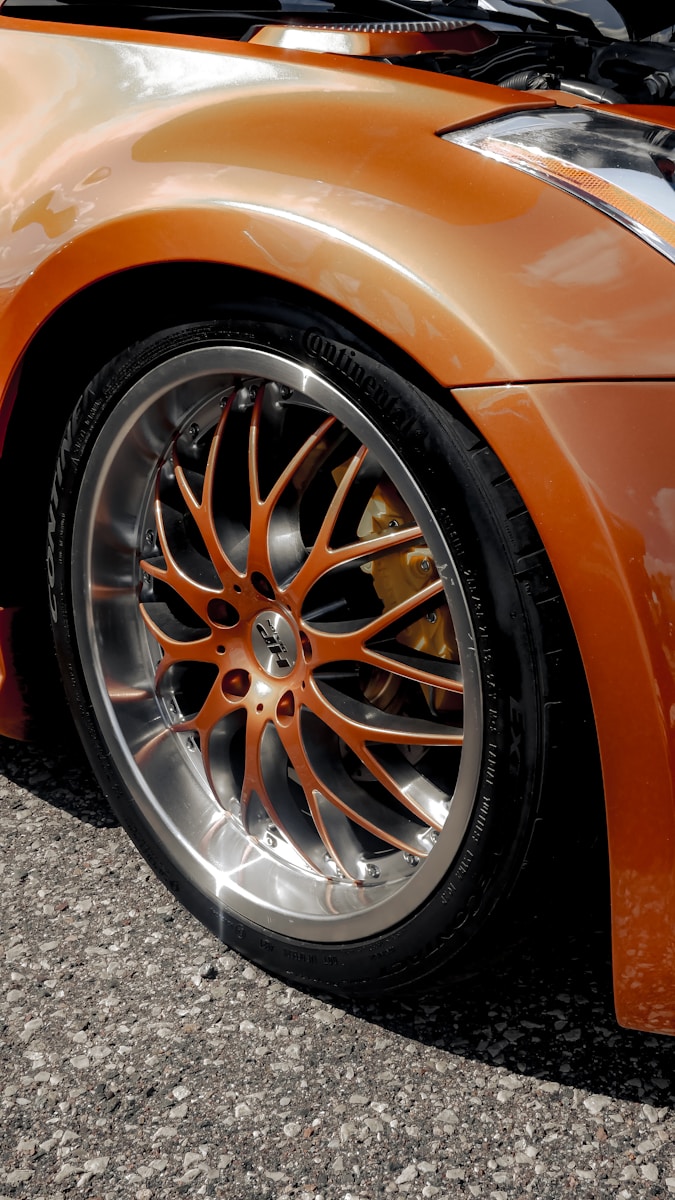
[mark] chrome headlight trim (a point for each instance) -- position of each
(623, 167)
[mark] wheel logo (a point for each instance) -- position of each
(274, 644)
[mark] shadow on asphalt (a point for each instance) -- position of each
(64, 780)
(545, 1010)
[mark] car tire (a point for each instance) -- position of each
(305, 628)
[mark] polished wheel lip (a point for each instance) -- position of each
(221, 864)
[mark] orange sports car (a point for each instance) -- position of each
(337, 422)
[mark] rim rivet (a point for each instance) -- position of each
(193, 430)
(433, 835)
(425, 565)
(372, 870)
(393, 524)
(411, 859)
(432, 618)
(150, 537)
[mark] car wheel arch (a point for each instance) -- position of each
(56, 350)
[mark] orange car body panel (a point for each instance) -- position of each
(327, 173)
(594, 464)
(151, 152)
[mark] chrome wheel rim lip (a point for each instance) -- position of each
(173, 794)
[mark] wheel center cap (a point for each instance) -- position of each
(274, 644)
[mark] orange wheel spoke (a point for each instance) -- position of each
(351, 641)
(357, 726)
(421, 668)
(202, 511)
(314, 788)
(335, 507)
(212, 711)
(254, 451)
(266, 768)
(308, 450)
(252, 784)
(406, 664)
(261, 512)
(361, 551)
(174, 650)
(309, 457)
(357, 719)
(351, 803)
(330, 645)
(347, 800)
(323, 558)
(194, 594)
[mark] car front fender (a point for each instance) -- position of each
(594, 465)
(325, 173)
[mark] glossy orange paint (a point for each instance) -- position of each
(156, 149)
(594, 464)
(14, 713)
(153, 152)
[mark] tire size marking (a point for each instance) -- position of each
(54, 502)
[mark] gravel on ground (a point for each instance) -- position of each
(142, 1059)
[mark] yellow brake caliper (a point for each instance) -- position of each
(397, 576)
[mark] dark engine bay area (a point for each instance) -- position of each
(609, 53)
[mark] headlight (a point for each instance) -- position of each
(623, 167)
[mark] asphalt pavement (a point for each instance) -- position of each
(142, 1059)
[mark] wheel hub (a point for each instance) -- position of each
(274, 644)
